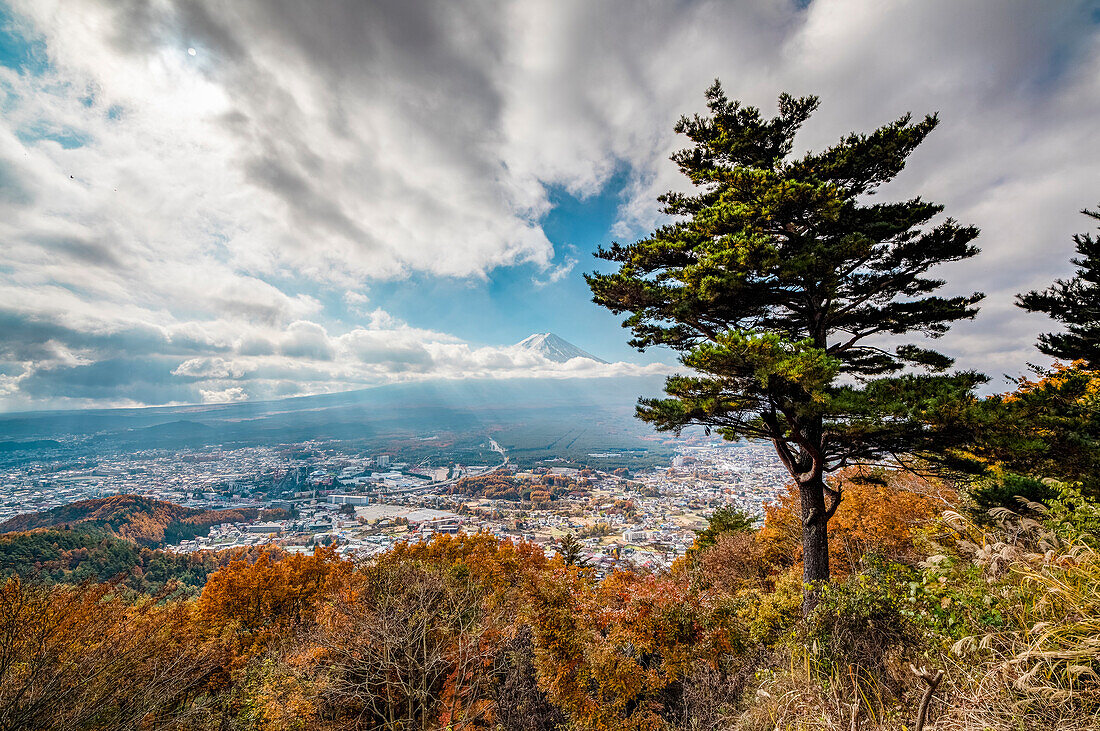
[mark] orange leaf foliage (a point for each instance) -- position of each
(276, 592)
(878, 512)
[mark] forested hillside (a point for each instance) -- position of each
(86, 553)
(970, 597)
(142, 520)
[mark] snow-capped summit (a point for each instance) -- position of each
(551, 347)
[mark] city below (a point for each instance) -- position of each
(313, 493)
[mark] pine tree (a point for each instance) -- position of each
(723, 521)
(571, 551)
(1074, 302)
(782, 288)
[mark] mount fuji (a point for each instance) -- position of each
(554, 348)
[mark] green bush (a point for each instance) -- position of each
(862, 631)
(1006, 491)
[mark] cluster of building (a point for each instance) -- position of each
(211, 478)
(365, 504)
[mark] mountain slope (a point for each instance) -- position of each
(142, 520)
(554, 348)
(529, 411)
(413, 405)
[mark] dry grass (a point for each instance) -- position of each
(796, 701)
(1039, 672)
(982, 699)
(1050, 651)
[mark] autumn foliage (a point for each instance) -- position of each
(260, 600)
(142, 520)
(504, 485)
(87, 657)
(1048, 426)
(473, 632)
(880, 512)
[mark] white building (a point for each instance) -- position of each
(349, 499)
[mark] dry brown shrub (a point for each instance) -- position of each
(737, 561)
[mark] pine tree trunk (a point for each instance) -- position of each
(815, 541)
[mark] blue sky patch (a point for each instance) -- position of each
(510, 305)
(16, 50)
(68, 137)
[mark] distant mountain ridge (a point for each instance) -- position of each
(526, 412)
(555, 348)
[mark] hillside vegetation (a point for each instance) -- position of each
(472, 632)
(951, 597)
(136, 518)
(84, 553)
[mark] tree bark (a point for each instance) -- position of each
(815, 540)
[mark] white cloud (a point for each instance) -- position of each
(198, 210)
(211, 368)
(558, 273)
(225, 396)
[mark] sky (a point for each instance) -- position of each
(210, 201)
